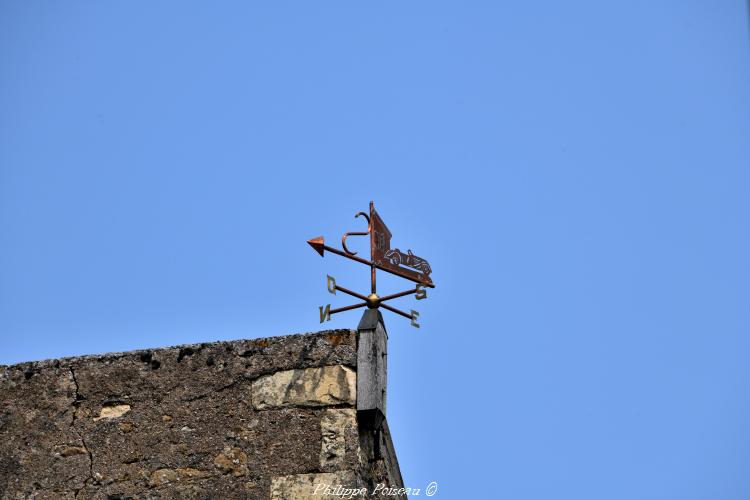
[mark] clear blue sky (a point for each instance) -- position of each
(577, 173)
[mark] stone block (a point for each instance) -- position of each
(338, 428)
(323, 486)
(327, 385)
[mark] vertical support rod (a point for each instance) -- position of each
(372, 248)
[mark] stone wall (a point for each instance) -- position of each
(269, 418)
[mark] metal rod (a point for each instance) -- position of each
(348, 308)
(365, 261)
(353, 294)
(393, 309)
(372, 248)
(344, 254)
(397, 295)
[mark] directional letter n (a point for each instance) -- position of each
(325, 314)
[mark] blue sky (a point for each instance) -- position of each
(576, 173)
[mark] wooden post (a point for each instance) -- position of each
(372, 362)
(372, 357)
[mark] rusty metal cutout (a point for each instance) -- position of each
(394, 261)
(346, 235)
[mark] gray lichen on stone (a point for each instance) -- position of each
(258, 419)
(175, 422)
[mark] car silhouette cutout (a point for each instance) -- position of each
(398, 258)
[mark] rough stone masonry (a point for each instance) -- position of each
(271, 418)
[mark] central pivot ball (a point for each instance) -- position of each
(373, 301)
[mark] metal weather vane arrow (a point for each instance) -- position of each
(405, 265)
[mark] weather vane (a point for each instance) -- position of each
(406, 265)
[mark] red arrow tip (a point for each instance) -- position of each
(317, 244)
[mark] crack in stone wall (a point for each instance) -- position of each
(76, 398)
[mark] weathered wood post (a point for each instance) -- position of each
(372, 364)
(372, 369)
